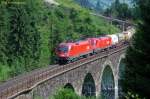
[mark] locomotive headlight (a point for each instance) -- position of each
(63, 54)
(69, 48)
(107, 42)
(88, 47)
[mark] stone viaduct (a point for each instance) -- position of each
(90, 76)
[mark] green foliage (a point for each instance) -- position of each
(130, 95)
(4, 72)
(137, 58)
(3, 33)
(24, 39)
(68, 94)
(119, 10)
(69, 4)
(135, 13)
(20, 38)
(65, 94)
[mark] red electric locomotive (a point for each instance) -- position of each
(100, 43)
(67, 52)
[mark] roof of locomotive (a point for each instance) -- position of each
(73, 43)
(104, 37)
(66, 44)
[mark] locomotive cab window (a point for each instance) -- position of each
(63, 49)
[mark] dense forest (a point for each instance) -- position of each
(31, 29)
(137, 74)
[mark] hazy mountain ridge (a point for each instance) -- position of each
(100, 4)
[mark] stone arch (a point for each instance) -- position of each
(69, 86)
(121, 71)
(88, 87)
(107, 81)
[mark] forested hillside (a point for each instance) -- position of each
(120, 9)
(31, 29)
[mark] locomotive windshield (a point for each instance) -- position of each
(63, 49)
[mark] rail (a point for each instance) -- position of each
(24, 83)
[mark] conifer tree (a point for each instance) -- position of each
(56, 35)
(85, 3)
(137, 77)
(3, 33)
(24, 38)
(99, 7)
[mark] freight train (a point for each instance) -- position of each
(72, 51)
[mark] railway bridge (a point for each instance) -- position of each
(93, 76)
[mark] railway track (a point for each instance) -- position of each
(27, 82)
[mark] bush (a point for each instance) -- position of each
(68, 94)
(131, 95)
(4, 72)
